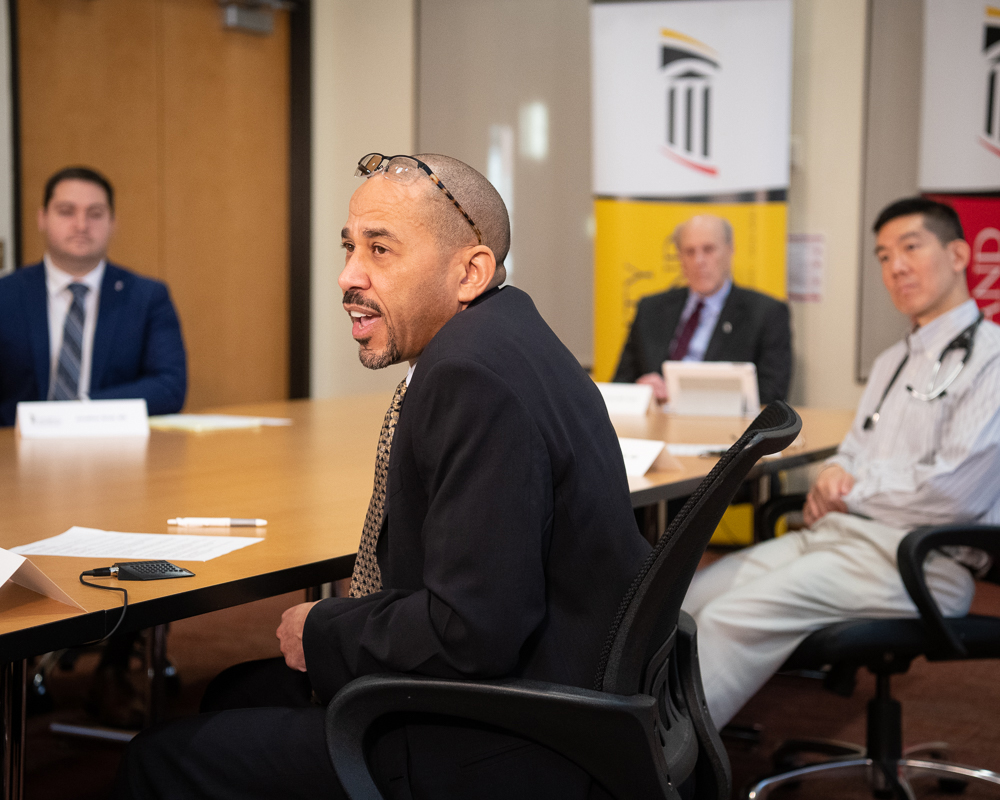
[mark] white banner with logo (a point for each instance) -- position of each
(960, 125)
(691, 98)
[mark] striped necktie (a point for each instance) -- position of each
(67, 382)
(367, 578)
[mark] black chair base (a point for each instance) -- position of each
(789, 755)
(881, 785)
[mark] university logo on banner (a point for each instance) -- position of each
(690, 99)
(960, 110)
(689, 67)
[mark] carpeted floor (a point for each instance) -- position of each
(955, 702)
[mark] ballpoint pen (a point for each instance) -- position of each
(216, 522)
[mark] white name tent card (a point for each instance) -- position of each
(76, 419)
(95, 543)
(17, 569)
(626, 398)
(639, 455)
(712, 388)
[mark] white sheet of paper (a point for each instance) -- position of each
(17, 569)
(704, 450)
(696, 449)
(95, 543)
(75, 419)
(212, 422)
(639, 455)
(626, 398)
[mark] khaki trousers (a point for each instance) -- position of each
(754, 607)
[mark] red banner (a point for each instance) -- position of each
(981, 223)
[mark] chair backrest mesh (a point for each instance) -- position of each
(650, 608)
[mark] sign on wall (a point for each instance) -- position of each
(690, 98)
(691, 104)
(980, 217)
(960, 112)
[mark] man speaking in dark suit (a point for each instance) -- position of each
(498, 542)
(711, 320)
(77, 327)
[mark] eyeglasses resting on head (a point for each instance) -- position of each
(406, 169)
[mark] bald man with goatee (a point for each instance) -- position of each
(498, 542)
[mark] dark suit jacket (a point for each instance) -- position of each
(509, 539)
(138, 351)
(751, 327)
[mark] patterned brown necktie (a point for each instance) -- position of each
(367, 578)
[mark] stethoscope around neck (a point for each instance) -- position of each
(961, 342)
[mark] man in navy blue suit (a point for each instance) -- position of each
(78, 327)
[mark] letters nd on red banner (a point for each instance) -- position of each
(981, 223)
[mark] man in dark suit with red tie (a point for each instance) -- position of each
(710, 320)
(498, 542)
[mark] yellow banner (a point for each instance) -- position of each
(634, 257)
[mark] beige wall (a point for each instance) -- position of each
(473, 87)
(363, 101)
(828, 88)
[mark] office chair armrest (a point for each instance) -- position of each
(610, 736)
(910, 555)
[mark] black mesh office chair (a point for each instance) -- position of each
(887, 647)
(645, 729)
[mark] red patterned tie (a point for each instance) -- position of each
(683, 340)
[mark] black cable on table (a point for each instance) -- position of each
(101, 573)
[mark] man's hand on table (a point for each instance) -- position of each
(290, 635)
(827, 494)
(655, 379)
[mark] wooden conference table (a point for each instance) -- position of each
(311, 480)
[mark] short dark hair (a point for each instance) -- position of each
(79, 174)
(940, 219)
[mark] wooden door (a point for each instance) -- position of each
(189, 120)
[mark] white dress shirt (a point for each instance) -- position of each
(706, 322)
(930, 462)
(60, 299)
